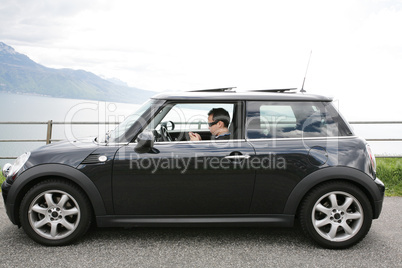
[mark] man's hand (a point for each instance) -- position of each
(194, 136)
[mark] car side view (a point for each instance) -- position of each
(213, 158)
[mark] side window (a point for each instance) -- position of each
(289, 120)
(193, 116)
(185, 117)
(276, 120)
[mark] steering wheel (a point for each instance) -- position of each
(165, 134)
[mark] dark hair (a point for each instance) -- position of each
(220, 114)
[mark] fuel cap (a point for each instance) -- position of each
(317, 156)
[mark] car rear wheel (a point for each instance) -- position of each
(336, 215)
(55, 212)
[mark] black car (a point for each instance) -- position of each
(285, 156)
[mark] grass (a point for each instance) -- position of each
(389, 170)
(1, 178)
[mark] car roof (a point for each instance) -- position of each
(243, 95)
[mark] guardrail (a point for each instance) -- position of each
(50, 124)
(49, 131)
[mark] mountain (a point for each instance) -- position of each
(20, 74)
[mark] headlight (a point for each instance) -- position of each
(6, 169)
(18, 164)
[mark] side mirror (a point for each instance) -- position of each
(145, 142)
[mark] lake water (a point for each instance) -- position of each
(14, 107)
(20, 108)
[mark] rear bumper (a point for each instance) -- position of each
(377, 205)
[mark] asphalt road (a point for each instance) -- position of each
(206, 247)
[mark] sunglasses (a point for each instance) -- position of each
(213, 123)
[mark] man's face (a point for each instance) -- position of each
(215, 128)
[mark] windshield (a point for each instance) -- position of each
(114, 135)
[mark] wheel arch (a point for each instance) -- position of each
(358, 178)
(34, 175)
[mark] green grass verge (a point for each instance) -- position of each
(389, 170)
(1, 178)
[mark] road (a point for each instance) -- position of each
(206, 247)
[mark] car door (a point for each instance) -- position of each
(208, 177)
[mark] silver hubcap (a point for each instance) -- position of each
(54, 214)
(337, 216)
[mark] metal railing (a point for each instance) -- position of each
(377, 123)
(49, 131)
(50, 124)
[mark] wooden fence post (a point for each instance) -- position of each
(49, 132)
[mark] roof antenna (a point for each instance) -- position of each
(304, 80)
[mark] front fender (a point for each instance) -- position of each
(373, 189)
(33, 175)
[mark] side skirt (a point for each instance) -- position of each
(195, 221)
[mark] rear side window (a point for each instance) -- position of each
(292, 120)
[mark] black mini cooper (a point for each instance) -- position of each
(285, 156)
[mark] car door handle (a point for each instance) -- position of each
(237, 157)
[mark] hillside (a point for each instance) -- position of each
(20, 74)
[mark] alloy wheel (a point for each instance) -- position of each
(54, 214)
(337, 216)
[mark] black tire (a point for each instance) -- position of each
(336, 215)
(55, 212)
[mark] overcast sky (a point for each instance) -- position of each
(182, 45)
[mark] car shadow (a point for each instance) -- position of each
(213, 236)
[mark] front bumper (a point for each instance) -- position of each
(5, 188)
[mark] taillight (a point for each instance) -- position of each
(372, 159)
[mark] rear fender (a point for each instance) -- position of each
(365, 182)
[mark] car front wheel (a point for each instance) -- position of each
(55, 212)
(336, 215)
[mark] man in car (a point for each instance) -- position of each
(218, 123)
